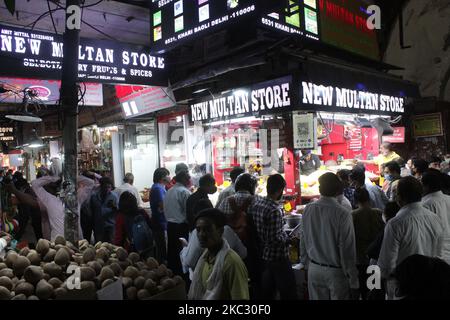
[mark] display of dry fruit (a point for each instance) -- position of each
(41, 273)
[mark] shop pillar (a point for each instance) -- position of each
(69, 98)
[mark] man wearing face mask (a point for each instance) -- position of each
(104, 205)
(277, 274)
(445, 165)
(391, 173)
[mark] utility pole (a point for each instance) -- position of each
(69, 99)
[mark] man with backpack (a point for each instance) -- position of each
(236, 208)
(133, 227)
(277, 273)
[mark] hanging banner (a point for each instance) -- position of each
(24, 52)
(263, 98)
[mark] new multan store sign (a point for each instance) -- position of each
(30, 53)
(262, 98)
(348, 100)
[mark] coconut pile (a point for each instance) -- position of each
(41, 274)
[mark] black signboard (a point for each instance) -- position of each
(7, 133)
(32, 54)
(268, 97)
(329, 88)
(300, 17)
(175, 21)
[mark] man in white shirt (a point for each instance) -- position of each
(176, 216)
(128, 186)
(327, 244)
(414, 230)
(439, 203)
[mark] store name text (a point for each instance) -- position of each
(352, 99)
(243, 102)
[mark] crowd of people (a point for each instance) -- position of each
(239, 249)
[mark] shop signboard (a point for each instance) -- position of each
(343, 24)
(173, 22)
(332, 88)
(47, 91)
(146, 101)
(345, 99)
(300, 18)
(428, 125)
(397, 137)
(268, 97)
(7, 133)
(25, 53)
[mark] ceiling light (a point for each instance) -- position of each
(24, 117)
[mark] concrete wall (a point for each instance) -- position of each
(427, 62)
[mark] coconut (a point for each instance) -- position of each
(6, 282)
(116, 268)
(152, 263)
(96, 266)
(25, 287)
(106, 273)
(42, 247)
(139, 282)
(134, 257)
(7, 272)
(33, 274)
(44, 290)
(88, 284)
(49, 256)
(3, 265)
(131, 272)
(55, 282)
(89, 255)
(19, 297)
(62, 257)
(87, 274)
(5, 293)
(33, 298)
(143, 294)
(60, 240)
(121, 254)
(20, 264)
(34, 257)
(11, 257)
(53, 270)
(168, 284)
(24, 251)
(103, 254)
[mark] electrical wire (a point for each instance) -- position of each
(33, 24)
(51, 16)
